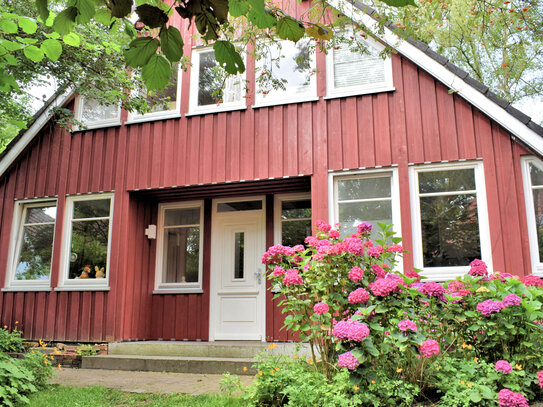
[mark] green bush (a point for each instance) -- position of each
(11, 341)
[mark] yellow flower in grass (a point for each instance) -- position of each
(272, 371)
(272, 346)
(373, 382)
(276, 368)
(295, 356)
(59, 368)
(5, 327)
(468, 384)
(310, 361)
(464, 345)
(518, 367)
(399, 370)
(356, 388)
(260, 373)
(462, 382)
(476, 360)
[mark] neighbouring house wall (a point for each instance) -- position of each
(418, 122)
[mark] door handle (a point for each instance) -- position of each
(258, 276)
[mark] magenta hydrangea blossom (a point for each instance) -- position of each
(351, 330)
(334, 234)
(311, 241)
(511, 299)
(540, 378)
(320, 308)
(292, 278)
(359, 296)
(278, 271)
(395, 248)
(378, 270)
(356, 274)
(407, 324)
(413, 274)
(478, 268)
(341, 329)
(428, 348)
(353, 245)
(503, 366)
(507, 398)
(364, 228)
(532, 280)
(432, 289)
(275, 254)
(323, 226)
(489, 306)
(384, 286)
(348, 360)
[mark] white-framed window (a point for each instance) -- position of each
(285, 73)
(292, 218)
(179, 255)
(163, 104)
(211, 89)
(449, 217)
(86, 242)
(532, 175)
(31, 248)
(365, 196)
(352, 71)
(93, 114)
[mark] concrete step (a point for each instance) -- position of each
(177, 364)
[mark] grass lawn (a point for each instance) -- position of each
(96, 396)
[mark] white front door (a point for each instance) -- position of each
(237, 300)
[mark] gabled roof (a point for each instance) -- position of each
(439, 67)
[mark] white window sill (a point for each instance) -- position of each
(145, 119)
(83, 288)
(279, 102)
(215, 109)
(29, 288)
(178, 291)
(96, 126)
(443, 273)
(358, 92)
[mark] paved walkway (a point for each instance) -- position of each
(143, 382)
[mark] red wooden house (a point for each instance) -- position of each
(152, 227)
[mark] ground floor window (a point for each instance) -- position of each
(532, 170)
(292, 219)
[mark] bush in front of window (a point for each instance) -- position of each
(452, 341)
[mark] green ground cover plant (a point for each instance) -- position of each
(384, 337)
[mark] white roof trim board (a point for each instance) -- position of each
(437, 66)
(498, 113)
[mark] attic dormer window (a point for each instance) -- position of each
(92, 114)
(357, 67)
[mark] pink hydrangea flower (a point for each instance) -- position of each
(384, 286)
(532, 280)
(395, 248)
(351, 330)
(356, 274)
(478, 268)
(292, 278)
(318, 257)
(375, 251)
(489, 306)
(432, 289)
(311, 241)
(428, 348)
(364, 228)
(498, 275)
(378, 270)
(503, 366)
(359, 296)
(278, 271)
(511, 299)
(540, 378)
(299, 248)
(407, 324)
(507, 398)
(323, 226)
(353, 245)
(320, 308)
(334, 234)
(348, 360)
(413, 274)
(454, 286)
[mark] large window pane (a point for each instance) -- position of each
(536, 175)
(450, 230)
(352, 214)
(364, 188)
(296, 209)
(538, 209)
(93, 112)
(35, 255)
(182, 255)
(178, 217)
(89, 246)
(295, 232)
(446, 181)
(95, 208)
(214, 86)
(357, 69)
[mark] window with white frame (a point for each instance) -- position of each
(285, 72)
(32, 245)
(533, 192)
(292, 218)
(211, 88)
(450, 220)
(179, 247)
(356, 67)
(366, 197)
(87, 241)
(92, 113)
(162, 103)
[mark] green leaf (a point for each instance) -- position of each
(71, 39)
(85, 9)
(156, 73)
(10, 59)
(227, 56)
(140, 51)
(33, 53)
(120, 8)
(319, 31)
(238, 7)
(11, 45)
(103, 16)
(27, 40)
(8, 26)
(220, 9)
(64, 22)
(151, 16)
(290, 29)
(52, 49)
(43, 10)
(19, 123)
(171, 43)
(53, 35)
(27, 25)
(399, 3)
(259, 16)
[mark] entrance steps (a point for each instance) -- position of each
(187, 357)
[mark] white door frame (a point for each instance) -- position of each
(215, 259)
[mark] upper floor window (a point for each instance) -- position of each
(92, 113)
(32, 245)
(211, 89)
(285, 73)
(533, 192)
(357, 68)
(163, 103)
(87, 239)
(450, 219)
(292, 218)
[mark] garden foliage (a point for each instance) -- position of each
(473, 341)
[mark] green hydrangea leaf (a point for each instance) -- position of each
(171, 43)
(289, 29)
(103, 16)
(227, 56)
(140, 51)
(52, 49)
(156, 73)
(33, 53)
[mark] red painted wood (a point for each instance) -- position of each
(75, 162)
(447, 125)
(168, 320)
(305, 138)
(366, 136)
(86, 162)
(98, 161)
(44, 156)
(291, 146)
(413, 114)
(7, 309)
(74, 315)
(432, 147)
(21, 177)
(350, 133)
(269, 156)
(382, 129)
(62, 316)
(38, 317)
(335, 146)
(261, 142)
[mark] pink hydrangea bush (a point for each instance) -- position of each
(429, 348)
(503, 366)
(507, 398)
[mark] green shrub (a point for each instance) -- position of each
(11, 341)
(40, 365)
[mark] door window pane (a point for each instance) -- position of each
(239, 255)
(96, 208)
(538, 208)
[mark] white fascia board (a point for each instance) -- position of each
(438, 71)
(31, 132)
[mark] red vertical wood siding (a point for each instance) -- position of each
(417, 122)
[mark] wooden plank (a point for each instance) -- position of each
(86, 307)
(86, 162)
(8, 300)
(145, 153)
(40, 315)
(466, 131)
(274, 154)
(157, 157)
(430, 129)
(110, 149)
(156, 323)
(261, 143)
(335, 146)
(447, 124)
(169, 317)
(182, 152)
(132, 136)
(233, 147)
(413, 114)
(50, 331)
(350, 133)
(381, 118)
(97, 321)
(218, 173)
(31, 175)
(43, 163)
(305, 138)
(18, 313)
(170, 165)
(8, 190)
(61, 319)
(74, 316)
(207, 145)
(98, 162)
(27, 319)
(193, 150)
(181, 329)
(206, 272)
(21, 172)
(247, 156)
(193, 317)
(366, 136)
(290, 147)
(75, 163)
